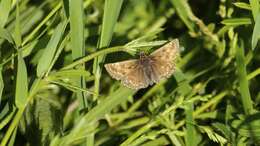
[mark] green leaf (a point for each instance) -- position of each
(6, 35)
(21, 92)
(77, 43)
(242, 5)
(190, 137)
(5, 7)
(242, 78)
(50, 50)
(1, 84)
(236, 21)
(255, 8)
(17, 31)
(256, 32)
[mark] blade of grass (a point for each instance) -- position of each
(111, 13)
(50, 50)
(255, 8)
(190, 131)
(242, 78)
(5, 7)
(21, 83)
(43, 22)
(77, 44)
(236, 21)
(256, 31)
(1, 84)
(242, 5)
(17, 33)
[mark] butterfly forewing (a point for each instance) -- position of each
(164, 59)
(129, 72)
(120, 70)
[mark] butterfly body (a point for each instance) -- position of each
(148, 69)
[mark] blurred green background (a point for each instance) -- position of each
(55, 91)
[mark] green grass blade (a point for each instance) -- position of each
(242, 77)
(5, 7)
(236, 21)
(256, 32)
(242, 5)
(1, 84)
(21, 83)
(255, 8)
(111, 13)
(17, 32)
(50, 50)
(77, 43)
(190, 131)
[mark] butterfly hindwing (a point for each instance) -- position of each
(136, 79)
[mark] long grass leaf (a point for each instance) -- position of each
(77, 43)
(50, 50)
(242, 78)
(256, 31)
(21, 92)
(190, 137)
(5, 7)
(1, 84)
(255, 8)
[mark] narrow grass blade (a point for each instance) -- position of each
(21, 92)
(190, 131)
(242, 5)
(242, 78)
(111, 13)
(1, 84)
(77, 43)
(5, 7)
(12, 139)
(255, 8)
(236, 21)
(50, 50)
(256, 32)
(17, 32)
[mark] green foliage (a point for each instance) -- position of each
(54, 89)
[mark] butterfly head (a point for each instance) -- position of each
(143, 55)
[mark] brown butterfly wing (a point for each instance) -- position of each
(164, 60)
(129, 72)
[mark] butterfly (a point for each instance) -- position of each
(148, 69)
